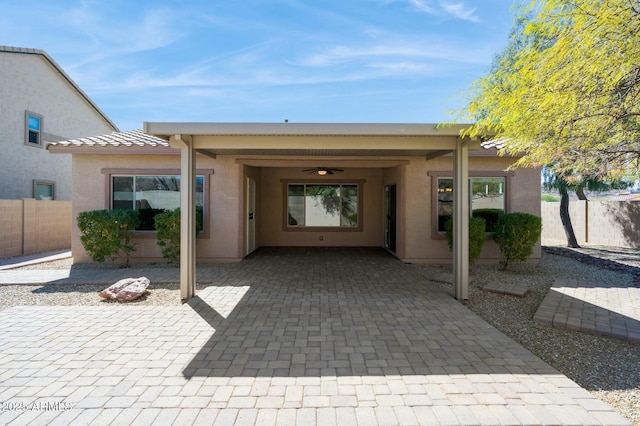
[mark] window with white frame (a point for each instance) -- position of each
(33, 129)
(487, 199)
(331, 205)
(151, 195)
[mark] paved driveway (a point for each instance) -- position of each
(288, 336)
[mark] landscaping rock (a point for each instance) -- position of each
(126, 290)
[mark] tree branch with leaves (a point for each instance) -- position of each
(566, 89)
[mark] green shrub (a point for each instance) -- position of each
(476, 236)
(516, 234)
(490, 217)
(107, 233)
(147, 216)
(168, 233)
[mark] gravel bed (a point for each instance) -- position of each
(608, 368)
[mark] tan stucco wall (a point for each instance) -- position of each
(272, 210)
(30, 83)
(227, 212)
(523, 195)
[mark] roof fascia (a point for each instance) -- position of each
(167, 129)
(114, 150)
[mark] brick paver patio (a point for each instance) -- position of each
(288, 336)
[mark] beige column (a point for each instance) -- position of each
(461, 220)
(187, 216)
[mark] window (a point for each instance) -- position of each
(151, 195)
(322, 205)
(33, 129)
(487, 199)
(44, 190)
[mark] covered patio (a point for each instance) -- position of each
(385, 147)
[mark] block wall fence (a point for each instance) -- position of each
(610, 223)
(28, 226)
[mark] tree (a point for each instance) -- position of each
(564, 183)
(556, 181)
(566, 89)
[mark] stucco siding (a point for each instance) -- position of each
(272, 232)
(422, 243)
(31, 83)
(226, 208)
(91, 191)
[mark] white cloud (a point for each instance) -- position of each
(397, 51)
(423, 6)
(457, 10)
(460, 11)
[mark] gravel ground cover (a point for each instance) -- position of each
(608, 368)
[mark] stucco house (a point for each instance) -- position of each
(39, 104)
(300, 184)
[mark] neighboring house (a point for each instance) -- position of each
(40, 104)
(284, 184)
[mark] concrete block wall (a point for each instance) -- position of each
(28, 226)
(611, 223)
(11, 224)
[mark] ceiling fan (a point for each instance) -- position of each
(323, 170)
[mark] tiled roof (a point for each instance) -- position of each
(116, 139)
(499, 143)
(54, 64)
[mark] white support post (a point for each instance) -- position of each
(461, 221)
(187, 217)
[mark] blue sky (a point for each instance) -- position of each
(266, 61)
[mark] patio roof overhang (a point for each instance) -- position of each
(311, 140)
(314, 139)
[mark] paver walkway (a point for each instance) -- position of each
(606, 309)
(288, 336)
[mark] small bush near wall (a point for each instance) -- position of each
(167, 227)
(516, 235)
(168, 234)
(107, 233)
(477, 231)
(147, 219)
(490, 216)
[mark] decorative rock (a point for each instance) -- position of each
(126, 289)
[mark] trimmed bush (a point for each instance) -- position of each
(168, 233)
(490, 216)
(516, 234)
(147, 216)
(107, 233)
(476, 236)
